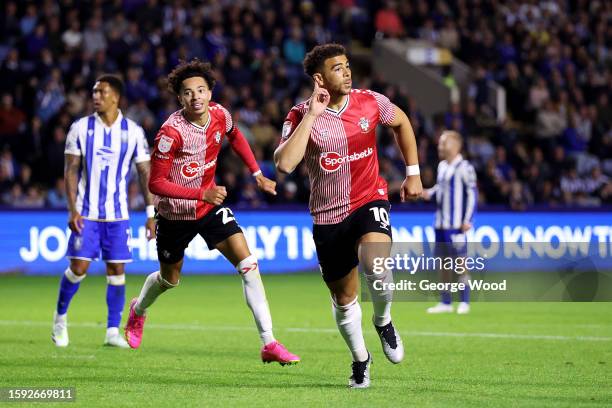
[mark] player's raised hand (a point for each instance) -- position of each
(75, 222)
(411, 189)
(214, 195)
(318, 101)
(265, 184)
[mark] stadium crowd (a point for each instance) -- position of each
(553, 58)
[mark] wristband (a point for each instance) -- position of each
(150, 210)
(413, 170)
(257, 173)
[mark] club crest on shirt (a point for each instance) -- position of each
(218, 137)
(164, 144)
(364, 124)
(106, 156)
(286, 129)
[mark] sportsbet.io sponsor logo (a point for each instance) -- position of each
(331, 161)
(193, 169)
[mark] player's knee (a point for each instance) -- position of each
(248, 265)
(115, 269)
(343, 298)
(78, 267)
(72, 276)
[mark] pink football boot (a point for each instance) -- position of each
(134, 327)
(275, 351)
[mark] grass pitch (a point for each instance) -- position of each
(201, 348)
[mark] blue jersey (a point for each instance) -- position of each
(107, 154)
(455, 193)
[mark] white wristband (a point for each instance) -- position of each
(257, 173)
(150, 210)
(413, 170)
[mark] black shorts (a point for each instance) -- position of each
(173, 236)
(337, 243)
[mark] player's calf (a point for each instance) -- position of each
(154, 286)
(255, 296)
(69, 285)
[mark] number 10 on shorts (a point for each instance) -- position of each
(380, 215)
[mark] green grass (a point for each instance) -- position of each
(201, 349)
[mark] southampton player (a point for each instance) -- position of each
(335, 133)
(455, 194)
(189, 202)
(99, 151)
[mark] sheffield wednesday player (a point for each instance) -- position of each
(456, 195)
(335, 133)
(189, 202)
(99, 151)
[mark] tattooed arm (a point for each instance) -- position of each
(71, 179)
(144, 171)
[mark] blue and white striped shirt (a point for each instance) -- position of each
(107, 154)
(455, 193)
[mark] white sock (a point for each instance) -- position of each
(348, 320)
(381, 299)
(153, 287)
(60, 318)
(112, 331)
(255, 296)
(72, 277)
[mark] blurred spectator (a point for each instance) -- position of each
(73, 37)
(550, 123)
(12, 121)
(50, 98)
(387, 20)
(56, 198)
(93, 36)
(553, 58)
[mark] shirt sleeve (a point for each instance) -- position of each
(471, 190)
(386, 109)
(167, 144)
(142, 147)
(293, 119)
(72, 140)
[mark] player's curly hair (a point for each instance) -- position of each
(315, 59)
(193, 68)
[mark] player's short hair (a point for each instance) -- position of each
(113, 81)
(191, 69)
(315, 59)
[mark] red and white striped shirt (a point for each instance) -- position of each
(184, 161)
(341, 156)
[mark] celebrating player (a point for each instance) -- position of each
(335, 132)
(189, 201)
(455, 193)
(99, 152)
